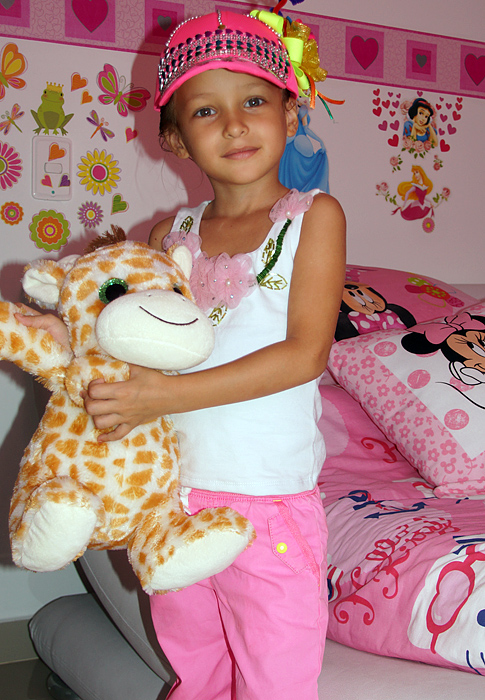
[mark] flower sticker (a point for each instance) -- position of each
(49, 230)
(11, 213)
(10, 166)
(90, 214)
(99, 172)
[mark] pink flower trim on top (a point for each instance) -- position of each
(219, 281)
(291, 205)
(222, 281)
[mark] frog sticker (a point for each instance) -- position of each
(50, 115)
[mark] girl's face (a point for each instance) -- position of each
(233, 125)
(422, 116)
(471, 347)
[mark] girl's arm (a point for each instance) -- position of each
(314, 302)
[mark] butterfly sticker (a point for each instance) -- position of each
(114, 89)
(13, 64)
(100, 125)
(10, 119)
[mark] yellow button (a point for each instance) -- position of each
(281, 547)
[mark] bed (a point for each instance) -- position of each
(403, 487)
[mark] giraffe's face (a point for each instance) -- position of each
(134, 303)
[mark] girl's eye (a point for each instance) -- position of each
(205, 112)
(177, 290)
(112, 289)
(254, 102)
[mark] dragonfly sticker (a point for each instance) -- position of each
(114, 89)
(9, 119)
(100, 125)
(12, 64)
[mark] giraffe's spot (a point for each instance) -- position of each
(154, 501)
(95, 449)
(54, 419)
(67, 447)
(78, 425)
(95, 468)
(32, 358)
(74, 315)
(16, 343)
(53, 463)
(94, 487)
(133, 493)
(139, 440)
(85, 289)
(145, 457)
(140, 478)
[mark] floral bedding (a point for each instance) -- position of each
(406, 549)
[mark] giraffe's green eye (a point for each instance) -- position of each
(112, 289)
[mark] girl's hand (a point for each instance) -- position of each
(125, 405)
(47, 322)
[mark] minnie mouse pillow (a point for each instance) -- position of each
(425, 388)
(378, 298)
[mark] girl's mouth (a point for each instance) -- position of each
(240, 153)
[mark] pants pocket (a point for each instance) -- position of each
(288, 544)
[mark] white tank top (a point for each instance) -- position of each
(266, 446)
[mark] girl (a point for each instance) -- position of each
(247, 418)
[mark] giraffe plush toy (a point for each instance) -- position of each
(122, 302)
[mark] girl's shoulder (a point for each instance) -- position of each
(324, 207)
(159, 231)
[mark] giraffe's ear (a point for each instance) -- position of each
(43, 279)
(183, 257)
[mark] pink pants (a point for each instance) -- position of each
(256, 631)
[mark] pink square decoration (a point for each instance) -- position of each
(472, 71)
(90, 19)
(421, 61)
(364, 52)
(161, 18)
(15, 13)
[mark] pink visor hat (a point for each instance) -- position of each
(238, 43)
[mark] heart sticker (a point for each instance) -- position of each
(55, 152)
(364, 50)
(164, 22)
(444, 147)
(393, 141)
(130, 134)
(475, 67)
(65, 181)
(46, 181)
(118, 204)
(77, 82)
(91, 13)
(7, 4)
(86, 97)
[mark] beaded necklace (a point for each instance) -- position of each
(274, 258)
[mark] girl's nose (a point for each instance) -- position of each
(235, 125)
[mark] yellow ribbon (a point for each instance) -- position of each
(302, 51)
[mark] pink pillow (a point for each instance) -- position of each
(425, 389)
(377, 298)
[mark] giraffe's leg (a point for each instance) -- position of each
(57, 525)
(173, 550)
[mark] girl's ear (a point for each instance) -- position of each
(174, 141)
(291, 108)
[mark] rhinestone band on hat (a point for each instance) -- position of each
(226, 44)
